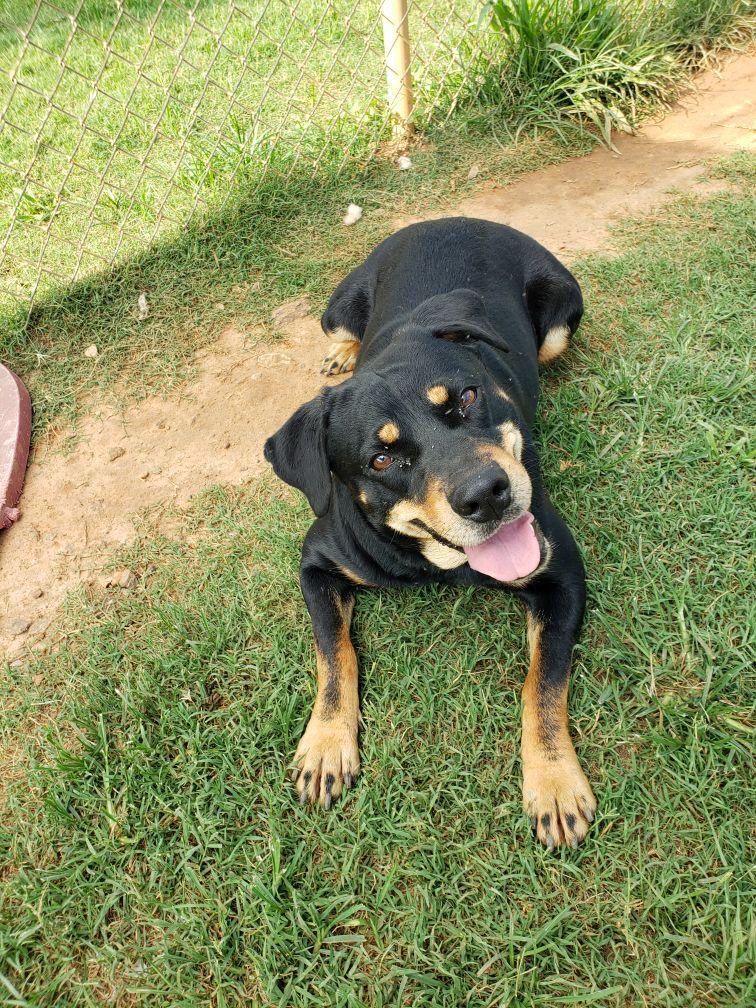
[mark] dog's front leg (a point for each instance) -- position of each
(327, 758)
(556, 793)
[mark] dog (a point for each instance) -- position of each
(422, 468)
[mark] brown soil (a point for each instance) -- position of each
(77, 507)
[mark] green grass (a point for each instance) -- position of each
(603, 63)
(155, 854)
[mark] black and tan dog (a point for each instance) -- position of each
(423, 468)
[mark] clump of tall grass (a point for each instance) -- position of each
(598, 64)
(692, 29)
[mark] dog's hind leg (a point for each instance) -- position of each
(345, 320)
(555, 304)
(327, 759)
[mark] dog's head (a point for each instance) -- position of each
(426, 442)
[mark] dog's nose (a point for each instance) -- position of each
(483, 498)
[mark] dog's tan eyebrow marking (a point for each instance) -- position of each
(438, 394)
(389, 433)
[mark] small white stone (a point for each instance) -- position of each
(473, 173)
(353, 214)
(91, 351)
(143, 308)
(404, 163)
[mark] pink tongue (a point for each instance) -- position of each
(510, 554)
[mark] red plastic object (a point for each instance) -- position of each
(15, 435)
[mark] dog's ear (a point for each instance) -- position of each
(459, 316)
(298, 455)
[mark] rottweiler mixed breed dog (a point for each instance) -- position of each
(422, 468)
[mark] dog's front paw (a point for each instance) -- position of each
(559, 800)
(327, 761)
(341, 357)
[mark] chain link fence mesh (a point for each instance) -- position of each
(120, 121)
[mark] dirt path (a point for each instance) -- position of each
(77, 508)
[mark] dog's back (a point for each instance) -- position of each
(528, 296)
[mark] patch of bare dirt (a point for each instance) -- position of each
(78, 507)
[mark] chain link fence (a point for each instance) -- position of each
(122, 120)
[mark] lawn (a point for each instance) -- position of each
(154, 853)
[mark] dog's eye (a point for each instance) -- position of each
(468, 397)
(381, 462)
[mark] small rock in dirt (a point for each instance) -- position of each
(39, 626)
(123, 578)
(291, 311)
(38, 593)
(352, 215)
(220, 307)
(91, 351)
(226, 442)
(116, 453)
(403, 163)
(155, 471)
(473, 173)
(19, 626)
(143, 308)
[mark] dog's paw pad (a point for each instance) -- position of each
(326, 762)
(341, 357)
(559, 800)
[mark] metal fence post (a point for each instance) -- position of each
(396, 43)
